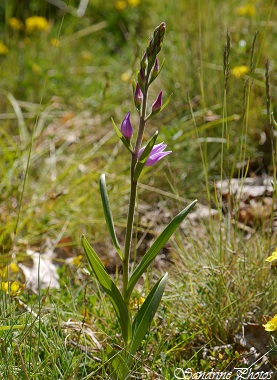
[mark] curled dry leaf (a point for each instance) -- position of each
(42, 271)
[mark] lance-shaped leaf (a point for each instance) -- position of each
(108, 214)
(156, 247)
(146, 314)
(122, 138)
(143, 158)
(110, 289)
(153, 113)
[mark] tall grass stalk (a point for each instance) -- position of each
(225, 137)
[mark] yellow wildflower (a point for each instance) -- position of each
(36, 68)
(36, 23)
(76, 261)
(86, 55)
(14, 268)
(3, 48)
(120, 5)
(126, 76)
(247, 10)
(5, 286)
(55, 42)
(271, 325)
(133, 3)
(273, 256)
(136, 303)
(4, 271)
(239, 71)
(16, 288)
(11, 288)
(15, 23)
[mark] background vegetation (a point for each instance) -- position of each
(62, 79)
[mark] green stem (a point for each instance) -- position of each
(133, 193)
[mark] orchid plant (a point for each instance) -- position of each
(134, 328)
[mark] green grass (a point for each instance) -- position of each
(56, 108)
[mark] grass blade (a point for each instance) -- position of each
(13, 327)
(23, 131)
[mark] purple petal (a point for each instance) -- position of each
(153, 159)
(156, 154)
(158, 148)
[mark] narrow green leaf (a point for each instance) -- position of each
(23, 130)
(162, 107)
(156, 247)
(143, 158)
(12, 327)
(108, 214)
(118, 364)
(122, 138)
(146, 314)
(110, 289)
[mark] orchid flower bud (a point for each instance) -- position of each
(138, 96)
(157, 153)
(155, 44)
(142, 76)
(126, 127)
(156, 67)
(159, 33)
(157, 105)
(141, 79)
(143, 62)
(155, 70)
(150, 49)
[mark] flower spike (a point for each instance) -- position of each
(155, 45)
